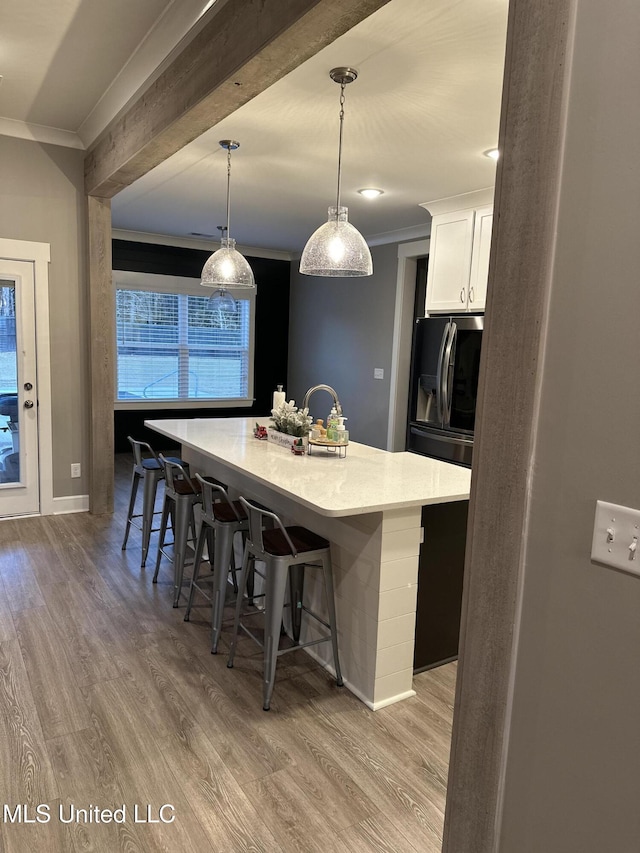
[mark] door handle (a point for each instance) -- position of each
(28, 404)
(471, 294)
(28, 386)
(462, 296)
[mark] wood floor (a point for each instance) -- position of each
(107, 697)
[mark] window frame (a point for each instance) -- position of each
(184, 286)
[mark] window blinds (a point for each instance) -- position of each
(174, 346)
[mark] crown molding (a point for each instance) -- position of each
(176, 27)
(39, 133)
(193, 243)
(464, 201)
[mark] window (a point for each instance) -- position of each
(174, 348)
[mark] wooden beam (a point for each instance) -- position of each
(242, 51)
(510, 374)
(102, 334)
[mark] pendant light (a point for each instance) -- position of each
(337, 248)
(227, 268)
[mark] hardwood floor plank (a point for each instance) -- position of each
(378, 835)
(7, 627)
(26, 775)
(406, 803)
(60, 705)
(227, 815)
(19, 581)
(290, 816)
(135, 762)
(54, 837)
(229, 725)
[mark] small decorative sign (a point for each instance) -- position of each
(300, 443)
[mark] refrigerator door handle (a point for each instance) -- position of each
(447, 373)
(440, 374)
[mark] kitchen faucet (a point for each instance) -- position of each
(314, 388)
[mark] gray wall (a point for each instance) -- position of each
(339, 330)
(43, 201)
(574, 752)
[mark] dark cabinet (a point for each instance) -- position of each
(440, 578)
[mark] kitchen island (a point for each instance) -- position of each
(368, 505)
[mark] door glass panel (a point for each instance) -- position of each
(9, 435)
(465, 379)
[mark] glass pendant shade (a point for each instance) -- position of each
(336, 249)
(227, 268)
(222, 302)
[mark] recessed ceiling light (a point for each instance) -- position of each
(493, 153)
(370, 192)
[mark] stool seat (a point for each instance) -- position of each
(303, 541)
(154, 465)
(224, 512)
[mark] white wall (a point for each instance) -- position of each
(574, 751)
(43, 201)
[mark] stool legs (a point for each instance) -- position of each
(184, 519)
(135, 479)
(241, 588)
(163, 533)
(150, 487)
(296, 586)
(197, 560)
(221, 563)
(275, 587)
(327, 571)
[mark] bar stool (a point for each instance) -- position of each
(181, 495)
(222, 518)
(149, 469)
(282, 548)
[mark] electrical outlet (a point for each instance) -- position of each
(76, 470)
(378, 373)
(615, 537)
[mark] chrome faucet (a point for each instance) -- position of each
(336, 402)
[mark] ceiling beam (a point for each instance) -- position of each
(245, 48)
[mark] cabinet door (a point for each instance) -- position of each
(480, 258)
(449, 261)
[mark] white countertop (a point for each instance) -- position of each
(365, 480)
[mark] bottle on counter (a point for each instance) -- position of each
(278, 397)
(332, 423)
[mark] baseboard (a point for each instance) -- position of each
(70, 503)
(373, 706)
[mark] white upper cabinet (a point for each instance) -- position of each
(459, 253)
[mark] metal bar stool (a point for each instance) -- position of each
(222, 518)
(281, 548)
(181, 495)
(148, 469)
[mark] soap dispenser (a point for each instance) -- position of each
(342, 434)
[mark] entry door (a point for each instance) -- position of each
(19, 475)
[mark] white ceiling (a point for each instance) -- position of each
(424, 108)
(71, 65)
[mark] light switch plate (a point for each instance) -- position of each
(615, 533)
(378, 372)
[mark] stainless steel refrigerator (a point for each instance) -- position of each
(444, 387)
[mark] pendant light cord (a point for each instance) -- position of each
(228, 189)
(342, 87)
